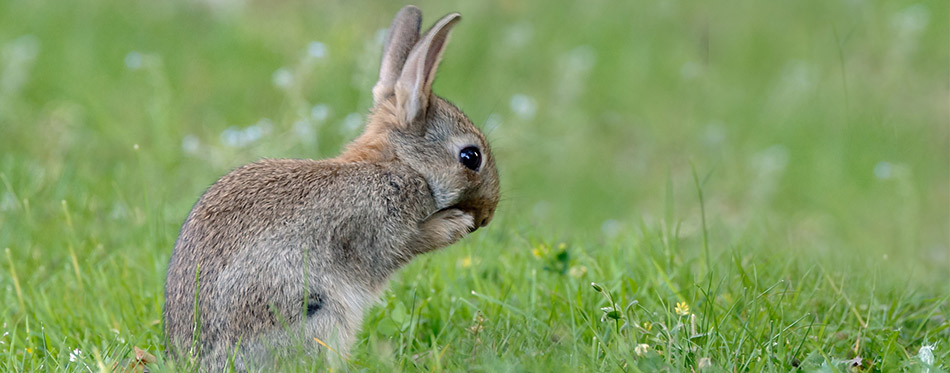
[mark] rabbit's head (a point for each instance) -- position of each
(410, 124)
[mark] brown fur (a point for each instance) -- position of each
(285, 251)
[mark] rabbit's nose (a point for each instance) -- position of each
(484, 220)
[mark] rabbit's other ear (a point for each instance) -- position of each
(415, 83)
(401, 37)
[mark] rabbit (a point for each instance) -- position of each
(289, 252)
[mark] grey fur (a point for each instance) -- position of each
(402, 36)
(272, 236)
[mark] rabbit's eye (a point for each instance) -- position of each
(470, 158)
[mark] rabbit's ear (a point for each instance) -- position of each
(401, 37)
(415, 83)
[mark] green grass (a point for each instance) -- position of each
(781, 168)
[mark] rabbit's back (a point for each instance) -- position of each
(289, 243)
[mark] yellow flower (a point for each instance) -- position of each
(540, 251)
(648, 326)
(466, 262)
(682, 309)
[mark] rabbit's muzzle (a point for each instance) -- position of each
(481, 209)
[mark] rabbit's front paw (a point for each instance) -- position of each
(445, 228)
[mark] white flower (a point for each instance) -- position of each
(856, 362)
(883, 170)
(283, 77)
(523, 105)
(491, 123)
(519, 34)
(926, 354)
(705, 363)
(133, 60)
(578, 271)
(190, 144)
(641, 349)
(352, 122)
(304, 131)
(320, 112)
(236, 137)
(611, 228)
(911, 20)
(75, 355)
(316, 49)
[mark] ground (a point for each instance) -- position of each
(721, 186)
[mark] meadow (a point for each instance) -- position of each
(687, 186)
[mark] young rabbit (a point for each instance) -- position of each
(279, 252)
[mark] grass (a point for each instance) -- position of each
(750, 185)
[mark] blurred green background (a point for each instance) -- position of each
(819, 132)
